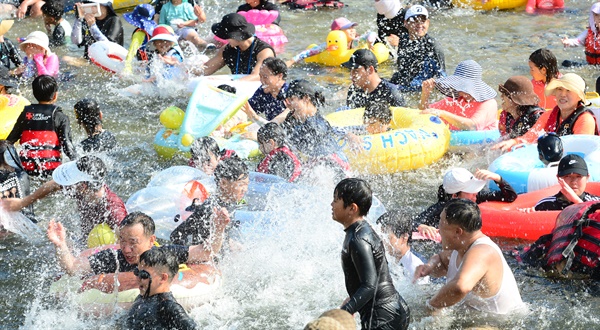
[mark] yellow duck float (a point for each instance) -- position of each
(337, 51)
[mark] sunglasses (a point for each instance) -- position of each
(142, 274)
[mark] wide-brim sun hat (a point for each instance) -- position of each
(5, 25)
(38, 38)
(162, 32)
(233, 26)
(142, 17)
(570, 81)
(466, 79)
(460, 179)
(519, 89)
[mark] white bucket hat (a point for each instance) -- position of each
(37, 38)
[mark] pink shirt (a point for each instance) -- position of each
(484, 114)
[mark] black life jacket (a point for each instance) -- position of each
(576, 239)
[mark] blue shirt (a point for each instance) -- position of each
(266, 104)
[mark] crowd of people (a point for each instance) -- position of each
(294, 138)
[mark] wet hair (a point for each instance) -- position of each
(44, 88)
(463, 213)
(231, 169)
(303, 88)
(88, 114)
(203, 148)
(357, 191)
(142, 218)
(94, 167)
(378, 111)
(53, 8)
(158, 258)
(442, 195)
(543, 58)
(550, 148)
(397, 222)
(227, 88)
(271, 131)
(276, 66)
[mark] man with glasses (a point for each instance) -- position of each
(156, 307)
(419, 56)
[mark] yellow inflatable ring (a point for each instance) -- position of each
(11, 107)
(415, 140)
(337, 51)
(490, 5)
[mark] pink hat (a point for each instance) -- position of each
(342, 23)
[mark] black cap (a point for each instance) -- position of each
(572, 164)
(361, 57)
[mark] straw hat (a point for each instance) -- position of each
(519, 89)
(569, 81)
(5, 25)
(466, 79)
(335, 319)
(37, 38)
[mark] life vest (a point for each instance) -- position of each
(314, 4)
(263, 167)
(566, 127)
(592, 48)
(41, 146)
(576, 239)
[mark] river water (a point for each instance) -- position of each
(283, 279)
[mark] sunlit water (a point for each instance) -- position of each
(287, 275)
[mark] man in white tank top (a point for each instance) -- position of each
(477, 273)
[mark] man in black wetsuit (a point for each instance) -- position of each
(231, 177)
(155, 307)
(367, 87)
(368, 281)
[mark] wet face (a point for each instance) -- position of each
(360, 77)
(32, 49)
(300, 107)
(233, 191)
(466, 195)
(266, 146)
(577, 182)
(209, 166)
(253, 3)
(466, 96)
(162, 46)
(49, 20)
(144, 276)
(338, 211)
(134, 242)
(537, 73)
(448, 233)
(417, 26)
(565, 99)
(270, 82)
(350, 34)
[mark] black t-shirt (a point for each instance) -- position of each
(103, 141)
(160, 311)
(106, 261)
(385, 92)
(412, 57)
(243, 62)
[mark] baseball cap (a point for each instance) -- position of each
(342, 23)
(572, 164)
(459, 179)
(86, 169)
(416, 10)
(361, 57)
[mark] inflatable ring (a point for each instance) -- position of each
(416, 140)
(11, 107)
(108, 55)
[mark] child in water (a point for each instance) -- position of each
(279, 159)
(89, 116)
(39, 60)
(142, 19)
(543, 68)
(167, 51)
(589, 38)
(342, 24)
(53, 16)
(550, 149)
(206, 154)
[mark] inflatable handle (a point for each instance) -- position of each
(240, 128)
(418, 236)
(260, 17)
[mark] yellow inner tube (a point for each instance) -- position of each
(337, 51)
(415, 140)
(490, 5)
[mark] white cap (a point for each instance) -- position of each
(68, 174)
(416, 10)
(459, 179)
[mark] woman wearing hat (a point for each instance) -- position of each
(142, 18)
(244, 53)
(89, 29)
(570, 116)
(520, 108)
(470, 105)
(39, 60)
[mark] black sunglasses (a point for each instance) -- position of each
(142, 274)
